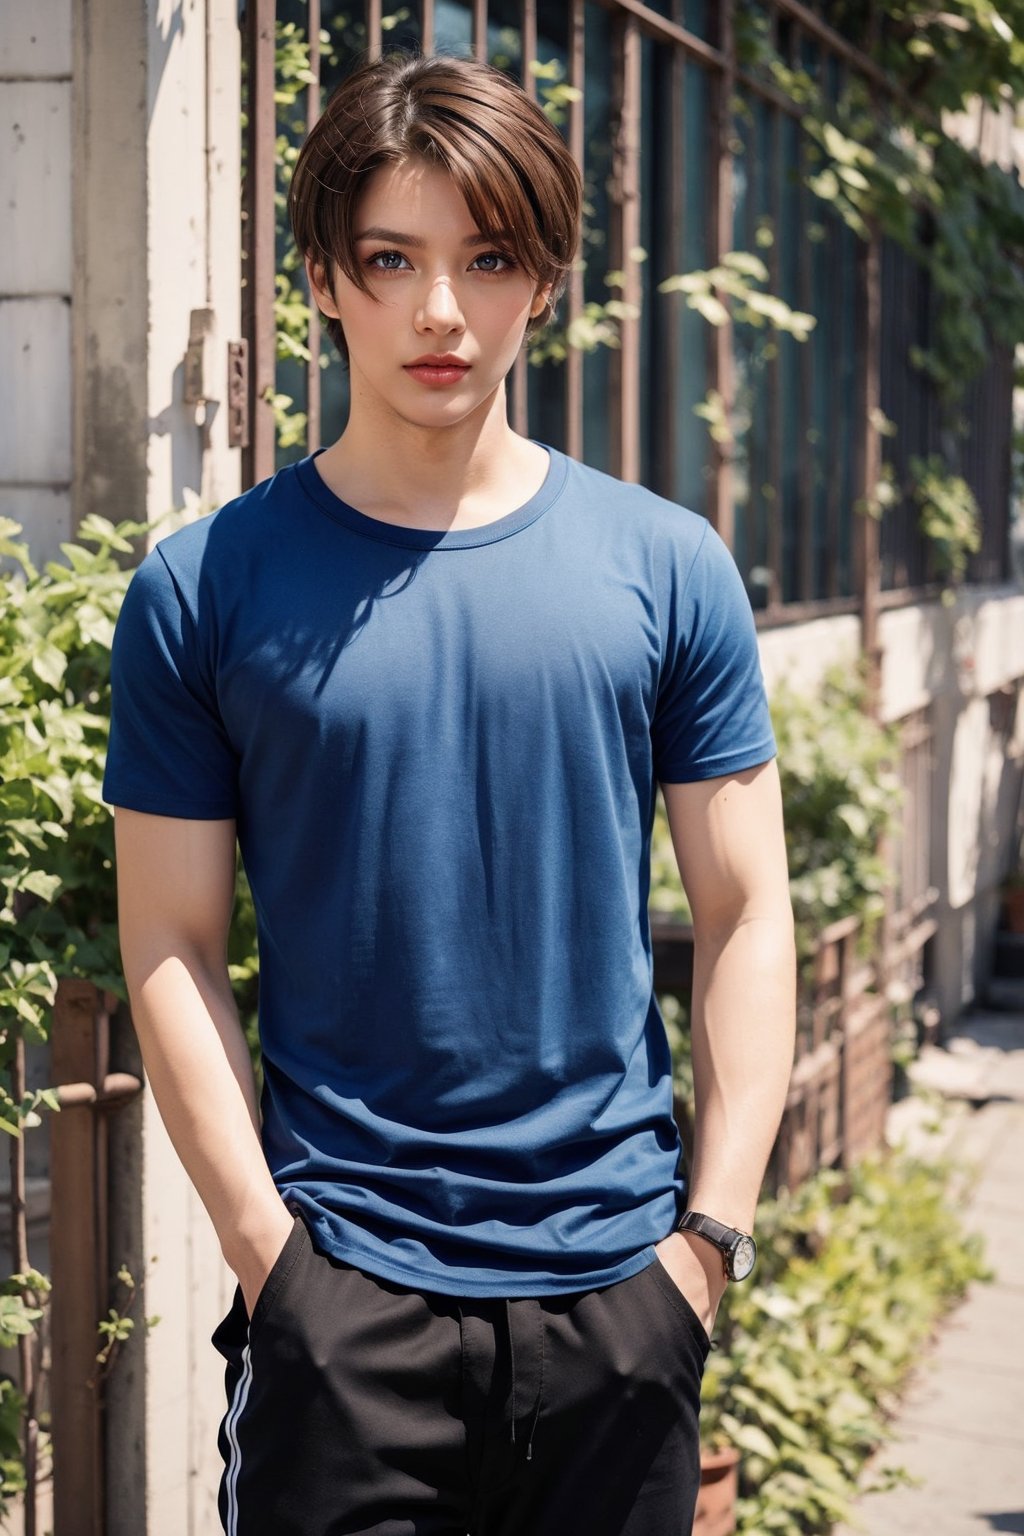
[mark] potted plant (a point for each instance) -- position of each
(715, 1514)
(1012, 898)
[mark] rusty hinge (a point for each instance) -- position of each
(197, 388)
(238, 394)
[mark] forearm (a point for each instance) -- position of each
(743, 1024)
(200, 1073)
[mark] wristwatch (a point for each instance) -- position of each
(738, 1248)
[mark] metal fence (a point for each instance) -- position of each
(686, 155)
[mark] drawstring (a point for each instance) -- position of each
(512, 1353)
(540, 1389)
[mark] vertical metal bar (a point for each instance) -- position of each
(624, 235)
(775, 508)
(574, 289)
(528, 26)
(258, 240)
(868, 564)
(805, 300)
(838, 297)
(868, 561)
(480, 30)
(313, 423)
(679, 188)
(427, 26)
(720, 510)
(28, 1343)
(528, 35)
(774, 370)
(374, 29)
(77, 1267)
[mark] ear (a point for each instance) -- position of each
(322, 295)
(540, 300)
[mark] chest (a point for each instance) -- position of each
(442, 647)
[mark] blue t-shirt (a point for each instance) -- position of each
(442, 750)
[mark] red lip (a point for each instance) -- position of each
(445, 360)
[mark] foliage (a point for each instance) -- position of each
(667, 896)
(841, 794)
(118, 1326)
(56, 838)
(854, 1268)
(57, 893)
(881, 159)
(12, 1467)
(949, 514)
(741, 275)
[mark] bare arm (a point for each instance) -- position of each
(728, 838)
(175, 883)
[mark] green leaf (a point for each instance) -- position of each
(49, 664)
(41, 884)
(748, 1437)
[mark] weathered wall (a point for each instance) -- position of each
(965, 661)
(35, 270)
(961, 663)
(157, 220)
(119, 182)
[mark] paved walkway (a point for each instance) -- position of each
(960, 1429)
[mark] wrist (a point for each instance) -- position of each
(707, 1255)
(736, 1247)
(262, 1225)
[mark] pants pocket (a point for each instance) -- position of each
(676, 1299)
(276, 1283)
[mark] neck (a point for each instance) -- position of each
(390, 467)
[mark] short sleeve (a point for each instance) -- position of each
(168, 753)
(711, 714)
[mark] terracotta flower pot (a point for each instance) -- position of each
(1013, 908)
(715, 1514)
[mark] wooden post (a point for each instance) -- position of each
(77, 1268)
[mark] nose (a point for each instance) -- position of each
(440, 309)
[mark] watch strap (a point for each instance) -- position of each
(707, 1226)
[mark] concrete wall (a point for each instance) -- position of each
(964, 664)
(119, 182)
(35, 270)
(157, 219)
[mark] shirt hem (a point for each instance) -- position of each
(449, 1282)
(152, 805)
(710, 768)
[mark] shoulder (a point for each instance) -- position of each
(206, 551)
(637, 510)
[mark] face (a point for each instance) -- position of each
(443, 290)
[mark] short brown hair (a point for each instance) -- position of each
(507, 159)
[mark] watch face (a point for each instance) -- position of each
(743, 1256)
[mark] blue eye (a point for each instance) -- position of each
(497, 256)
(378, 263)
(372, 260)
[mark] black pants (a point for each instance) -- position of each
(356, 1405)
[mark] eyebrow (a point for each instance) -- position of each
(376, 233)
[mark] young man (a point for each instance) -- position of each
(430, 678)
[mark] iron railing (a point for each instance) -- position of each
(686, 155)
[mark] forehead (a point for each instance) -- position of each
(415, 196)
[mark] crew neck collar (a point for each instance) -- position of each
(316, 488)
